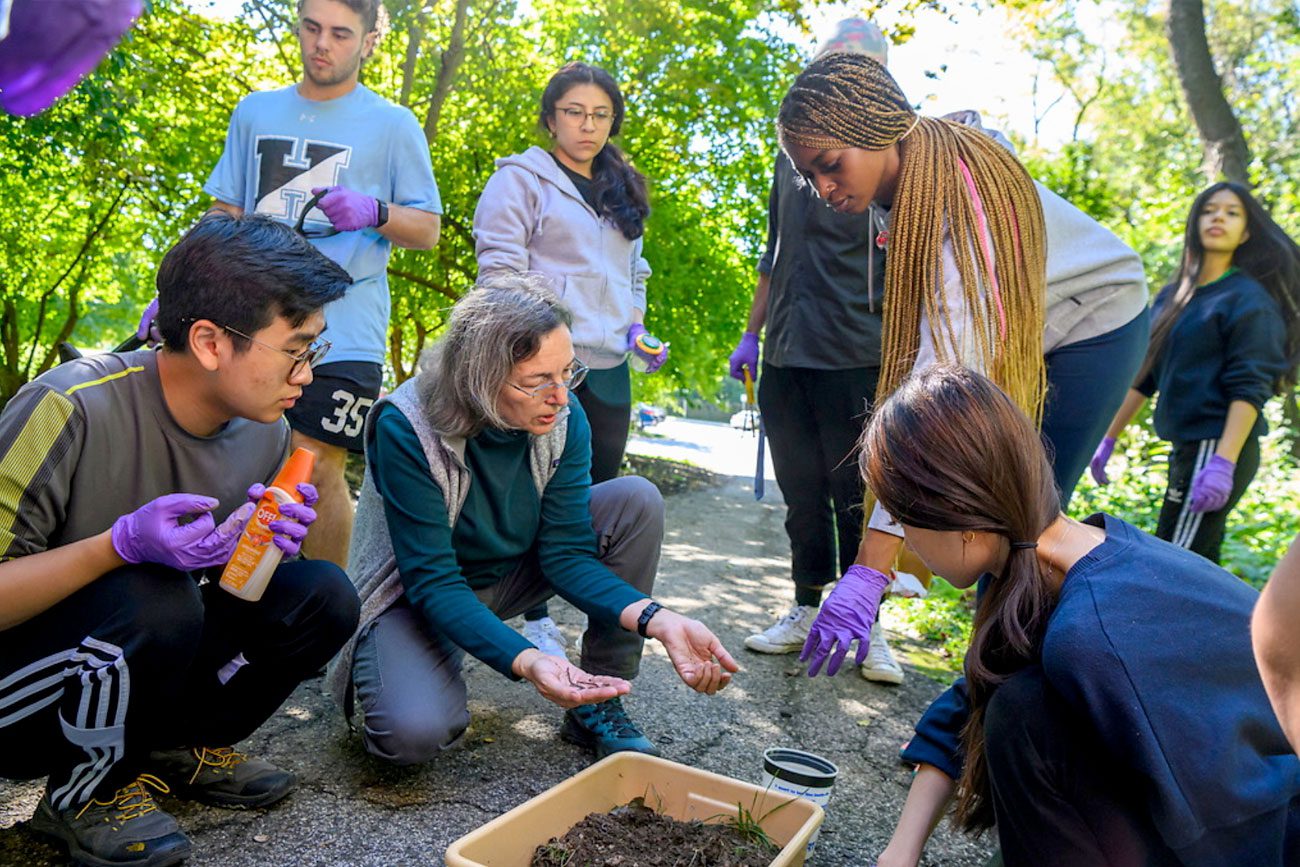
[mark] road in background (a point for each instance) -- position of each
(712, 445)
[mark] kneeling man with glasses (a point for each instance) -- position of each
(124, 478)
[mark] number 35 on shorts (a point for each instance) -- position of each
(349, 413)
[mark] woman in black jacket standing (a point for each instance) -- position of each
(1226, 338)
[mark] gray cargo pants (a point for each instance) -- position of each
(408, 681)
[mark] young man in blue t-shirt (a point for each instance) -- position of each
(330, 134)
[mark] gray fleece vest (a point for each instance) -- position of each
(372, 565)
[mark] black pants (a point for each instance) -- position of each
(813, 419)
(1201, 532)
(606, 396)
(134, 662)
(1058, 797)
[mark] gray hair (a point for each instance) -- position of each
(496, 325)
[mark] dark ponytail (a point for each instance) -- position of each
(950, 451)
(620, 190)
(1268, 255)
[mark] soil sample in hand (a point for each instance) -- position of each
(636, 836)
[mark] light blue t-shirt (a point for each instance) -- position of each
(280, 145)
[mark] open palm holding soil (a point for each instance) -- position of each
(563, 683)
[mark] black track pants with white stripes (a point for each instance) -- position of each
(1201, 532)
(145, 659)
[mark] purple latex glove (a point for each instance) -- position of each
(292, 529)
(746, 355)
(155, 533)
(1212, 485)
(347, 209)
(147, 330)
(53, 43)
(848, 613)
(1097, 466)
(652, 362)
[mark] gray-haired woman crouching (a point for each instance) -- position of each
(478, 504)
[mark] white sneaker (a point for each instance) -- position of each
(881, 666)
(546, 636)
(787, 635)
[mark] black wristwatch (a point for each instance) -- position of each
(383, 213)
(644, 620)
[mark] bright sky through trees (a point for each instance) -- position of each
(987, 69)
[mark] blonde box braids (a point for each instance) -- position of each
(847, 100)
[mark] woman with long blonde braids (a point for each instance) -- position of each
(985, 268)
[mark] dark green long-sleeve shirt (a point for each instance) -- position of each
(502, 521)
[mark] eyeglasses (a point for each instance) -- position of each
(577, 372)
(576, 116)
(309, 357)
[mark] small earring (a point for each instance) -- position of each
(968, 537)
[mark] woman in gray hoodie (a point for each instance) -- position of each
(577, 214)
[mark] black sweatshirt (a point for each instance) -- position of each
(1228, 344)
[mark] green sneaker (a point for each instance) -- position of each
(605, 728)
(127, 829)
(223, 777)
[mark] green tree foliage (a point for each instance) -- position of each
(97, 186)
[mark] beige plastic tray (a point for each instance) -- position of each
(673, 789)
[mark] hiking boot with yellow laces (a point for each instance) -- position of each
(223, 777)
(127, 828)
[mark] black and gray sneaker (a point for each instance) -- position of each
(605, 728)
(126, 830)
(223, 777)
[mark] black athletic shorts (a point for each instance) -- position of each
(333, 408)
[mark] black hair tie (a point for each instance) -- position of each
(1023, 546)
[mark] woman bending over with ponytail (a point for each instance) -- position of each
(985, 268)
(1226, 338)
(1092, 731)
(577, 214)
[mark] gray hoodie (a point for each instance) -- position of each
(532, 218)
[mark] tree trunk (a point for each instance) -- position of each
(448, 64)
(1291, 418)
(1224, 143)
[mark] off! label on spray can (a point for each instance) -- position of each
(257, 535)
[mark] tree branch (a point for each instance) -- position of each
(448, 64)
(412, 58)
(69, 322)
(425, 282)
(270, 25)
(94, 233)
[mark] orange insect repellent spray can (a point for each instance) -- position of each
(255, 557)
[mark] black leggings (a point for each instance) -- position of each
(606, 397)
(134, 662)
(1201, 532)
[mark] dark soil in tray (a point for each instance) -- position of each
(636, 836)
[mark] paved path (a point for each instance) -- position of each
(725, 561)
